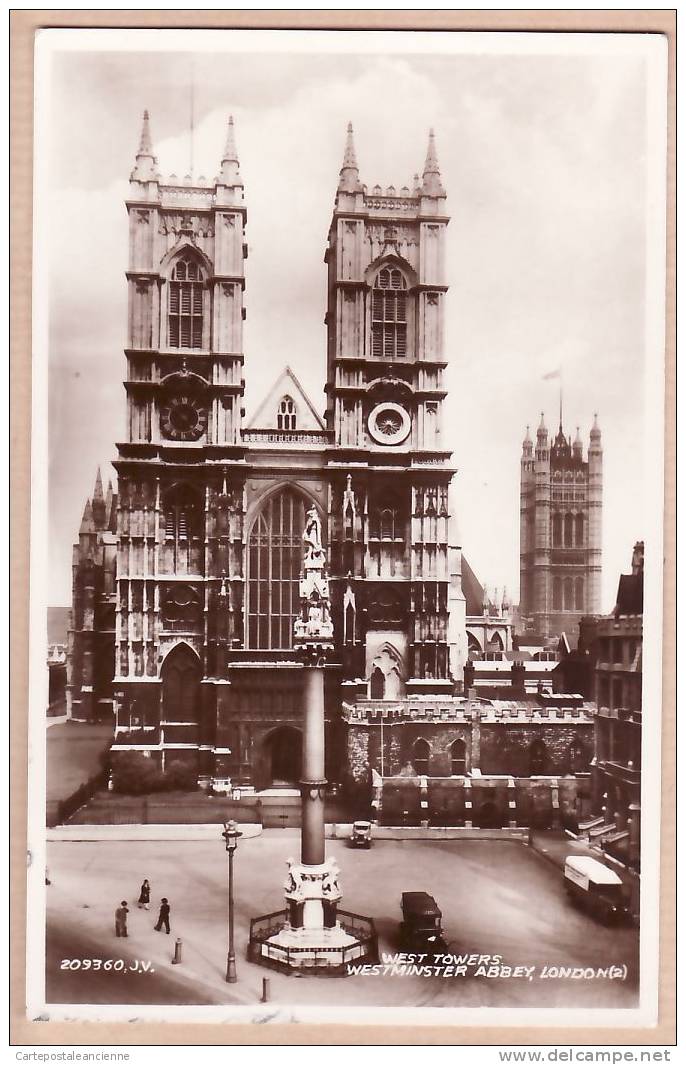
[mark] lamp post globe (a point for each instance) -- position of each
(231, 835)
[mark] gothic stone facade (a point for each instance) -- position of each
(560, 531)
(197, 589)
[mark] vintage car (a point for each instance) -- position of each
(361, 835)
(420, 928)
(595, 888)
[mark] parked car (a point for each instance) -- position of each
(361, 835)
(420, 928)
(595, 888)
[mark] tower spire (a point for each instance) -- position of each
(349, 177)
(431, 177)
(146, 163)
(230, 171)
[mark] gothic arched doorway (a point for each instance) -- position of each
(283, 755)
(181, 678)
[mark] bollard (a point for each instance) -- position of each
(265, 990)
(176, 960)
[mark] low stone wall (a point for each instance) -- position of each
(343, 832)
(142, 833)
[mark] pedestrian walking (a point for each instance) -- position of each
(120, 915)
(163, 918)
(144, 897)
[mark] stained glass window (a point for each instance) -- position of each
(275, 553)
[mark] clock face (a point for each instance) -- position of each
(183, 417)
(389, 423)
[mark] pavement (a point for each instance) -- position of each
(497, 898)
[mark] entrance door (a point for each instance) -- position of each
(284, 755)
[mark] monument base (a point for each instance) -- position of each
(312, 935)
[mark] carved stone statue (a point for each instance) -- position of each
(312, 537)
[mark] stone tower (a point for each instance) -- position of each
(560, 530)
(396, 585)
(90, 648)
(181, 486)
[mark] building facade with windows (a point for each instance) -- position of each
(211, 509)
(618, 716)
(560, 531)
(197, 588)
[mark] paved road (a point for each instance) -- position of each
(110, 987)
(497, 898)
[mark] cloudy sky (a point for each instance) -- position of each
(544, 158)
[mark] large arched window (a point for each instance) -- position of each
(557, 530)
(538, 758)
(181, 677)
(185, 310)
(579, 530)
(286, 415)
(275, 553)
(385, 519)
(569, 530)
(420, 757)
(377, 684)
(458, 758)
(568, 593)
(579, 593)
(389, 314)
(557, 593)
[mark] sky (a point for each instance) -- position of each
(544, 158)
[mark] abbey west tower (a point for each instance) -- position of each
(560, 531)
(398, 586)
(180, 504)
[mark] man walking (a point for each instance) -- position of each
(120, 916)
(163, 918)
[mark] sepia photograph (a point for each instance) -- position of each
(346, 550)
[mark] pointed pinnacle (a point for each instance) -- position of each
(230, 152)
(230, 175)
(349, 177)
(349, 157)
(431, 164)
(87, 525)
(431, 177)
(98, 493)
(145, 147)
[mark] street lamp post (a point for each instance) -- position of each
(231, 836)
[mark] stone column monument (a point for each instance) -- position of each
(312, 935)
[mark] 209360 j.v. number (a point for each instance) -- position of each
(117, 965)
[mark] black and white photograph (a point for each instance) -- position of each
(347, 526)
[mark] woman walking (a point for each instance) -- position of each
(144, 897)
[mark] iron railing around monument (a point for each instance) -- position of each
(330, 960)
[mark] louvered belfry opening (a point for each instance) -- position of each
(389, 314)
(186, 305)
